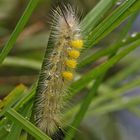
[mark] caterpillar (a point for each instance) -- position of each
(58, 69)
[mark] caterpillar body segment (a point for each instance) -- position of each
(57, 70)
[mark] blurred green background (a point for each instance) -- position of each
(24, 61)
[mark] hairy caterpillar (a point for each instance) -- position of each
(57, 71)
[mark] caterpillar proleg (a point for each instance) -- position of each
(57, 72)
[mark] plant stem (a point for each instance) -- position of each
(19, 27)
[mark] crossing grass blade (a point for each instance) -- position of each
(29, 127)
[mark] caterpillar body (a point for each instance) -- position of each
(57, 72)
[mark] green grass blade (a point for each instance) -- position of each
(128, 25)
(15, 61)
(3, 134)
(95, 15)
(117, 105)
(14, 133)
(83, 109)
(135, 111)
(16, 129)
(111, 95)
(29, 127)
(12, 98)
(4, 130)
(93, 57)
(123, 34)
(112, 21)
(26, 98)
(19, 27)
(117, 93)
(134, 67)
